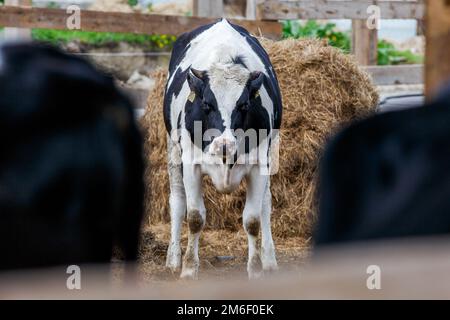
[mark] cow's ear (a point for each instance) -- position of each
(255, 82)
(196, 80)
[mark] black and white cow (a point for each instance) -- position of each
(222, 110)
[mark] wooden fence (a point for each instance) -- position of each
(343, 9)
(262, 19)
(266, 13)
(435, 14)
(364, 39)
(29, 17)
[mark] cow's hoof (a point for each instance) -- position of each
(254, 275)
(270, 267)
(173, 266)
(270, 271)
(173, 260)
(189, 274)
(254, 268)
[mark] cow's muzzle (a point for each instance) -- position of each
(223, 148)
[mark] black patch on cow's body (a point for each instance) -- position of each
(210, 119)
(180, 47)
(179, 121)
(174, 89)
(268, 152)
(270, 84)
(255, 117)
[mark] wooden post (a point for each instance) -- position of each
(364, 43)
(16, 33)
(437, 64)
(208, 8)
(250, 11)
(420, 31)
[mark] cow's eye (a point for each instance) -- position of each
(207, 107)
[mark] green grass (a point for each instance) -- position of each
(98, 38)
(312, 29)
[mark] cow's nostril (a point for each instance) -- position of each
(224, 150)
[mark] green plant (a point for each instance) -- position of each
(132, 3)
(52, 5)
(312, 29)
(159, 42)
(387, 55)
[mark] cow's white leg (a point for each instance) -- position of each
(196, 215)
(269, 261)
(177, 202)
(256, 187)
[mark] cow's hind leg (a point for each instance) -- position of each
(177, 202)
(196, 215)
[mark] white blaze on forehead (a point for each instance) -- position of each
(227, 82)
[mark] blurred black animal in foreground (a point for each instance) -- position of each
(71, 183)
(388, 176)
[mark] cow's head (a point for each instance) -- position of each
(224, 99)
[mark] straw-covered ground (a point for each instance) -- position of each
(323, 90)
(222, 253)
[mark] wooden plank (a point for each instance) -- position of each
(437, 46)
(411, 268)
(208, 8)
(45, 18)
(364, 43)
(392, 75)
(16, 33)
(329, 9)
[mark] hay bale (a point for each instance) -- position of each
(323, 90)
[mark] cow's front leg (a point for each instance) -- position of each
(177, 202)
(196, 215)
(256, 187)
(269, 261)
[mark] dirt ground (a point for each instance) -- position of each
(223, 254)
